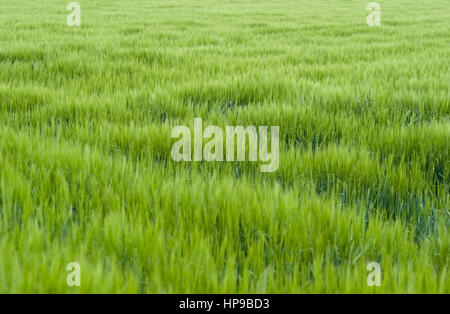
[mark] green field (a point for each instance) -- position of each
(86, 176)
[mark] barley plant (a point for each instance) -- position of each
(86, 114)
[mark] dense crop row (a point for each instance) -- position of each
(86, 175)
